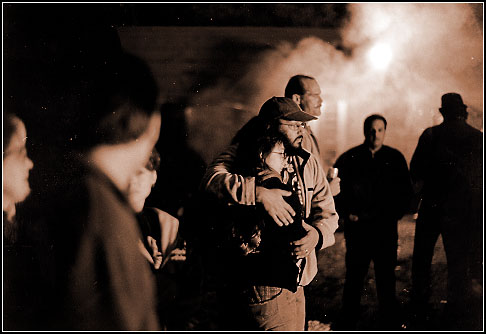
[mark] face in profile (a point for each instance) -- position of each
(293, 131)
(140, 186)
(276, 158)
(16, 166)
(375, 135)
(311, 100)
(142, 147)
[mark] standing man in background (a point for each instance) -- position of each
(305, 91)
(375, 194)
(447, 165)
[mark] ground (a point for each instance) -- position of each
(196, 311)
(323, 295)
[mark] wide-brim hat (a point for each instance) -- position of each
(284, 108)
(452, 101)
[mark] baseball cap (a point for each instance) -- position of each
(283, 108)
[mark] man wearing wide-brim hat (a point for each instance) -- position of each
(447, 166)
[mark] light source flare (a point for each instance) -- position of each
(380, 56)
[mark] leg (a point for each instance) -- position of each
(426, 234)
(457, 247)
(385, 260)
(279, 313)
(300, 309)
(358, 259)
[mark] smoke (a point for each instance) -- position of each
(434, 49)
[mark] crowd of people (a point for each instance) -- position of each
(106, 260)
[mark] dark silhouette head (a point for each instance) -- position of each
(453, 107)
(121, 98)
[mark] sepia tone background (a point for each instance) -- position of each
(215, 65)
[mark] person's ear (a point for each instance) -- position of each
(296, 98)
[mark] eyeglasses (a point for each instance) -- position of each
(294, 126)
(283, 154)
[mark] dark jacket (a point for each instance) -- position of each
(273, 263)
(102, 281)
(375, 188)
(448, 160)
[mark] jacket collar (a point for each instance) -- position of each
(303, 156)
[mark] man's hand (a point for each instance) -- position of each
(169, 227)
(275, 205)
(335, 185)
(304, 246)
(156, 257)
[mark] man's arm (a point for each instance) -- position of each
(322, 221)
(404, 187)
(227, 186)
(237, 189)
(420, 159)
(323, 215)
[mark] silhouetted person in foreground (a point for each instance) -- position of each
(447, 166)
(375, 193)
(100, 279)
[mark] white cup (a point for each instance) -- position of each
(332, 173)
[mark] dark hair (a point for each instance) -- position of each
(255, 137)
(9, 128)
(265, 145)
(369, 120)
(120, 99)
(153, 164)
(296, 86)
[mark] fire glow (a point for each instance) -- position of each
(380, 56)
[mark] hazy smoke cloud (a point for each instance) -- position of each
(435, 49)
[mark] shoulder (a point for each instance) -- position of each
(391, 150)
(164, 216)
(351, 153)
(431, 131)
(312, 160)
(108, 211)
(393, 153)
(474, 132)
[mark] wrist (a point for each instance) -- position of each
(320, 238)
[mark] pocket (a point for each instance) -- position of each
(263, 303)
(262, 294)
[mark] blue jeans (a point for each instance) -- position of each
(277, 309)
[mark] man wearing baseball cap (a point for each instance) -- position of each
(229, 181)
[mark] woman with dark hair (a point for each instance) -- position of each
(20, 268)
(259, 252)
(16, 168)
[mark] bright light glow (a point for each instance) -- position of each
(380, 56)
